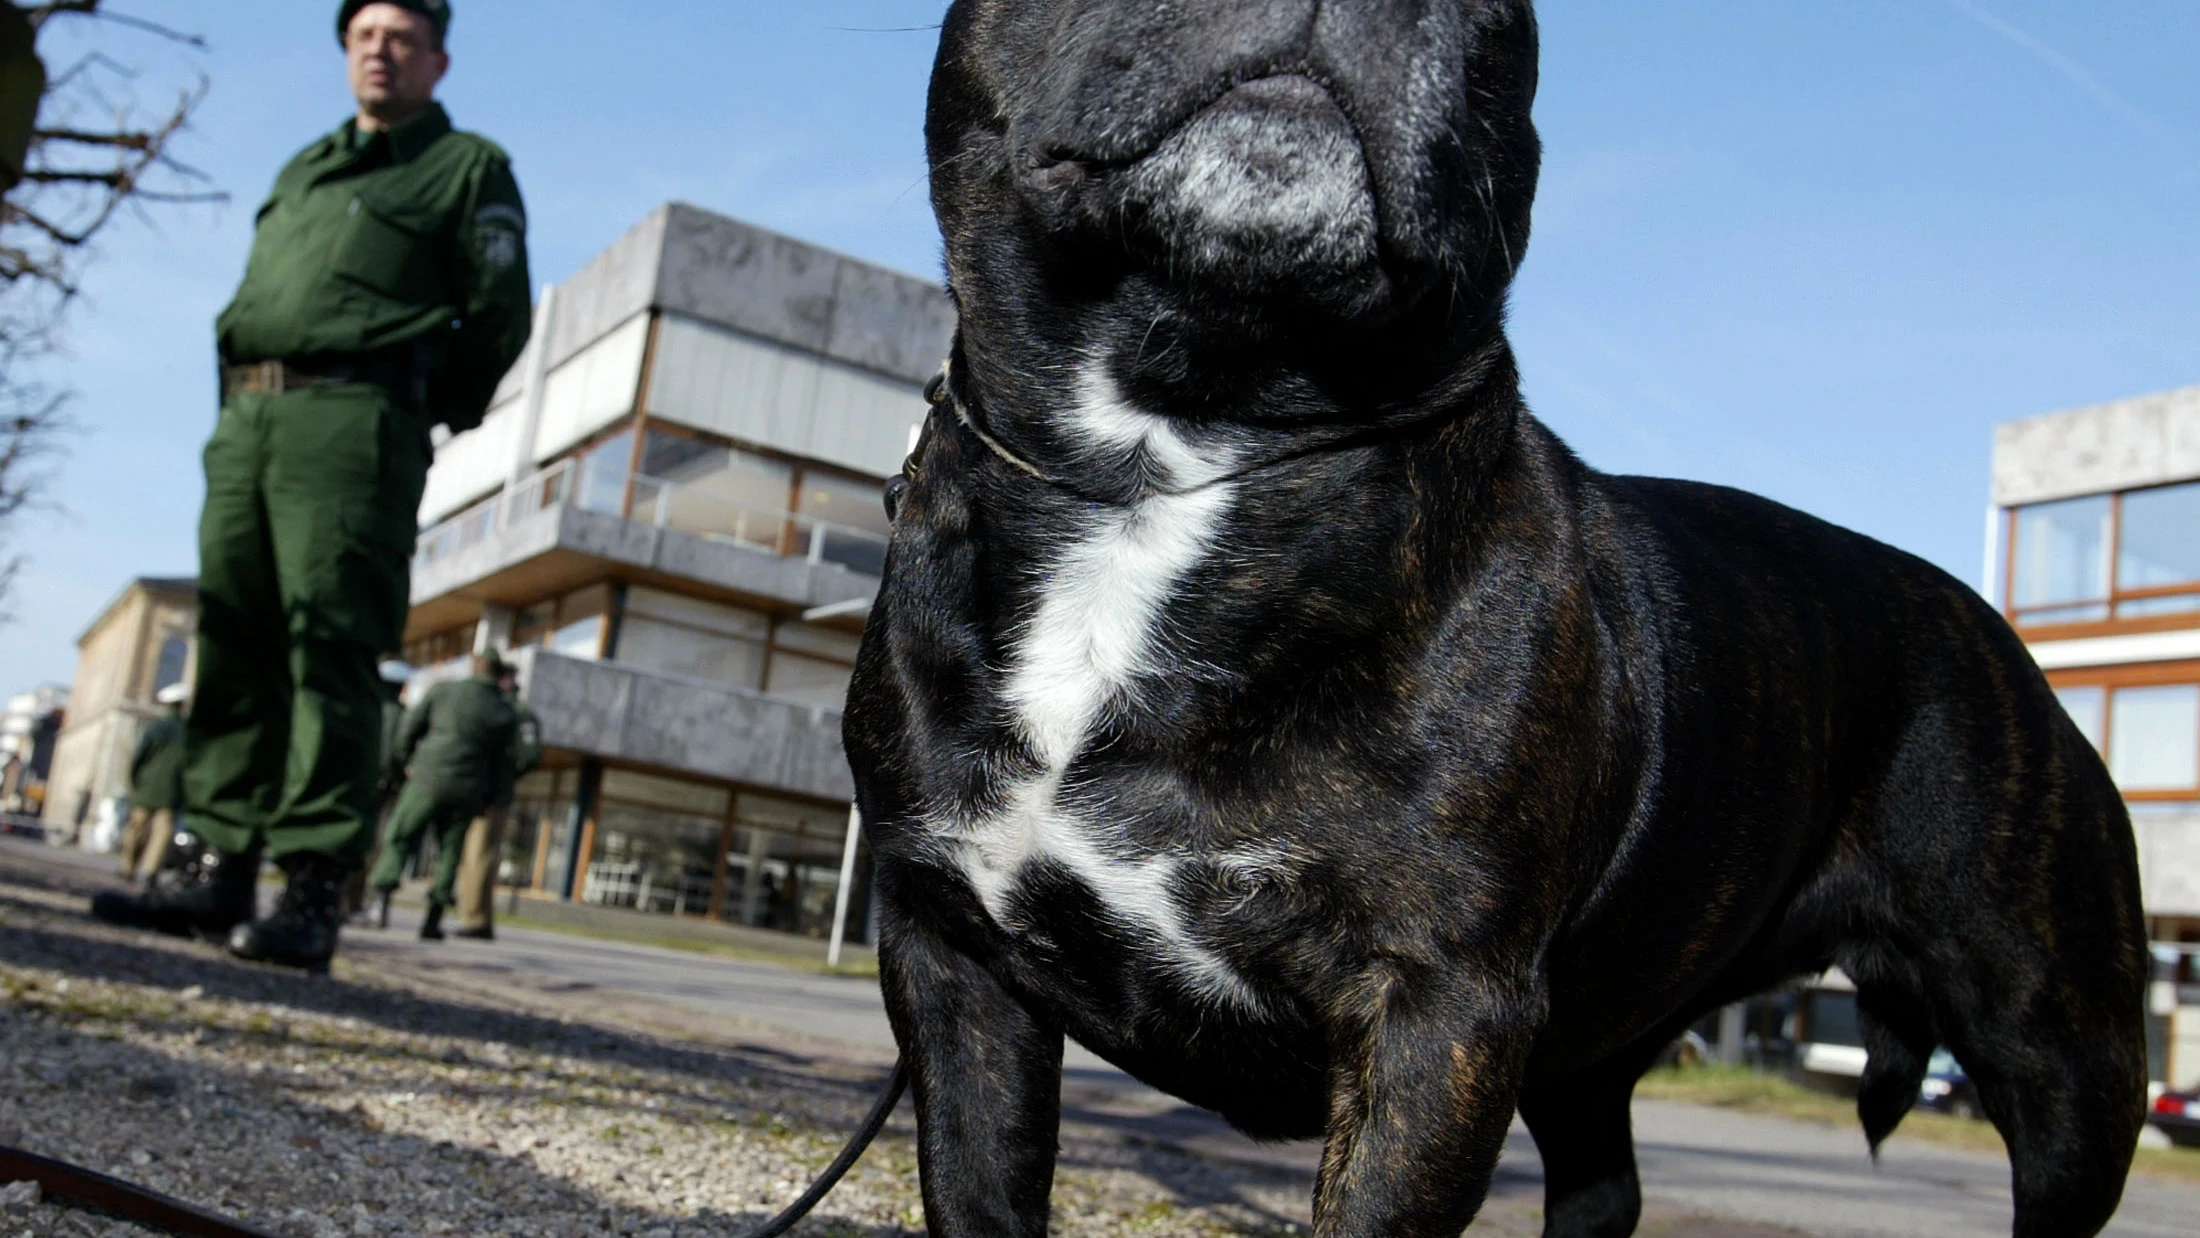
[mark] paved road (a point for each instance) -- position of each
(1812, 1178)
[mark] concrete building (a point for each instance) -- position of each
(2093, 552)
(138, 645)
(671, 517)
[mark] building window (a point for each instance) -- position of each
(600, 476)
(2154, 738)
(2131, 555)
(848, 514)
(714, 491)
(676, 635)
(783, 866)
(440, 655)
(175, 651)
(657, 843)
(2060, 570)
(811, 664)
(2149, 732)
(2087, 706)
(778, 506)
(579, 633)
(571, 624)
(2158, 551)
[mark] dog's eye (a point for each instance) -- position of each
(894, 488)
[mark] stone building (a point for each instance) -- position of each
(138, 645)
(672, 520)
(2093, 553)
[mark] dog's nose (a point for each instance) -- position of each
(1050, 166)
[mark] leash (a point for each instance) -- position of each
(127, 1201)
(86, 1188)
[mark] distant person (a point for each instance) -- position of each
(456, 746)
(484, 851)
(387, 292)
(394, 674)
(156, 787)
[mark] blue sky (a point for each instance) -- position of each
(1809, 248)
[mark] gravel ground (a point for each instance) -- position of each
(367, 1105)
(379, 1101)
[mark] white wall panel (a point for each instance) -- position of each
(470, 466)
(592, 389)
(750, 389)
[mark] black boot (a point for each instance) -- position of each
(431, 927)
(209, 894)
(382, 908)
(302, 930)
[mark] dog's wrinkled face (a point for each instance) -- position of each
(1278, 167)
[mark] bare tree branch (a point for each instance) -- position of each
(91, 156)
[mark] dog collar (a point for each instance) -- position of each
(940, 395)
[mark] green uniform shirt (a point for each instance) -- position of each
(459, 741)
(526, 744)
(156, 767)
(372, 240)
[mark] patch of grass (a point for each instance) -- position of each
(1751, 1091)
(865, 970)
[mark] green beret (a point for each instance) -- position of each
(437, 11)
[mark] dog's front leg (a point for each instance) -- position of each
(1422, 1091)
(988, 1081)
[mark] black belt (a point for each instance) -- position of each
(397, 370)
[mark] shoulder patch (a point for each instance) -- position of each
(501, 215)
(500, 249)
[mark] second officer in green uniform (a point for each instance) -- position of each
(458, 746)
(387, 292)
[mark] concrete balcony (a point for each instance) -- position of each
(618, 713)
(535, 541)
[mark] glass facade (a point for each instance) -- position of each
(2154, 738)
(714, 491)
(2102, 557)
(600, 477)
(656, 845)
(690, 637)
(688, 847)
(850, 516)
(811, 663)
(2158, 548)
(729, 494)
(2060, 568)
(2149, 732)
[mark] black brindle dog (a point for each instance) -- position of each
(1261, 696)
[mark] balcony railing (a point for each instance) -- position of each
(667, 504)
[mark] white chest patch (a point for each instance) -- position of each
(1093, 635)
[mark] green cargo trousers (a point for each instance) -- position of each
(305, 564)
(424, 807)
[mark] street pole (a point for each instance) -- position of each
(847, 879)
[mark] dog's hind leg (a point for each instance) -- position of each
(2058, 1059)
(1586, 1139)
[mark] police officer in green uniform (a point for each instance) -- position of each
(395, 674)
(156, 787)
(483, 854)
(387, 291)
(457, 747)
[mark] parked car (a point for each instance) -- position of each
(1947, 1089)
(2177, 1115)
